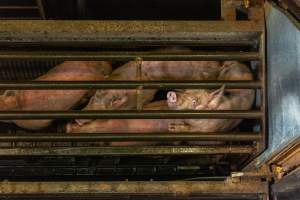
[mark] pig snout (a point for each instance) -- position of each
(172, 99)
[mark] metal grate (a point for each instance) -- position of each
(41, 42)
(44, 44)
(202, 34)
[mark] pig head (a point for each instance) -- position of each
(207, 100)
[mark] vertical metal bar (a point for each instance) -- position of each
(41, 9)
(262, 143)
(139, 90)
(257, 13)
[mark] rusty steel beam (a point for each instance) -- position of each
(98, 33)
(132, 137)
(126, 151)
(28, 85)
(128, 55)
(143, 114)
(177, 188)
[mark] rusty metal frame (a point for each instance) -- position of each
(131, 188)
(129, 55)
(126, 151)
(100, 33)
(92, 137)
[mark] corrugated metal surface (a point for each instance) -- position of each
(283, 60)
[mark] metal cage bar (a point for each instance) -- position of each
(129, 55)
(126, 151)
(143, 114)
(99, 33)
(37, 137)
(28, 85)
(134, 188)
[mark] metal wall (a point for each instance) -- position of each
(283, 66)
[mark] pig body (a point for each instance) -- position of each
(238, 99)
(126, 99)
(47, 100)
(125, 126)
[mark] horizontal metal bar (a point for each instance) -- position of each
(132, 137)
(126, 151)
(19, 18)
(18, 7)
(98, 33)
(178, 188)
(136, 43)
(77, 196)
(126, 55)
(170, 188)
(25, 85)
(116, 114)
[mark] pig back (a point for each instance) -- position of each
(31, 100)
(181, 70)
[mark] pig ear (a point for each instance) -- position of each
(119, 101)
(215, 97)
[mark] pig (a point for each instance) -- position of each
(220, 99)
(47, 100)
(125, 126)
(207, 100)
(121, 125)
(126, 99)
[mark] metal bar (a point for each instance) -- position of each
(262, 51)
(125, 151)
(143, 114)
(28, 85)
(129, 55)
(177, 188)
(127, 32)
(136, 43)
(18, 7)
(19, 18)
(129, 196)
(139, 89)
(41, 9)
(132, 137)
